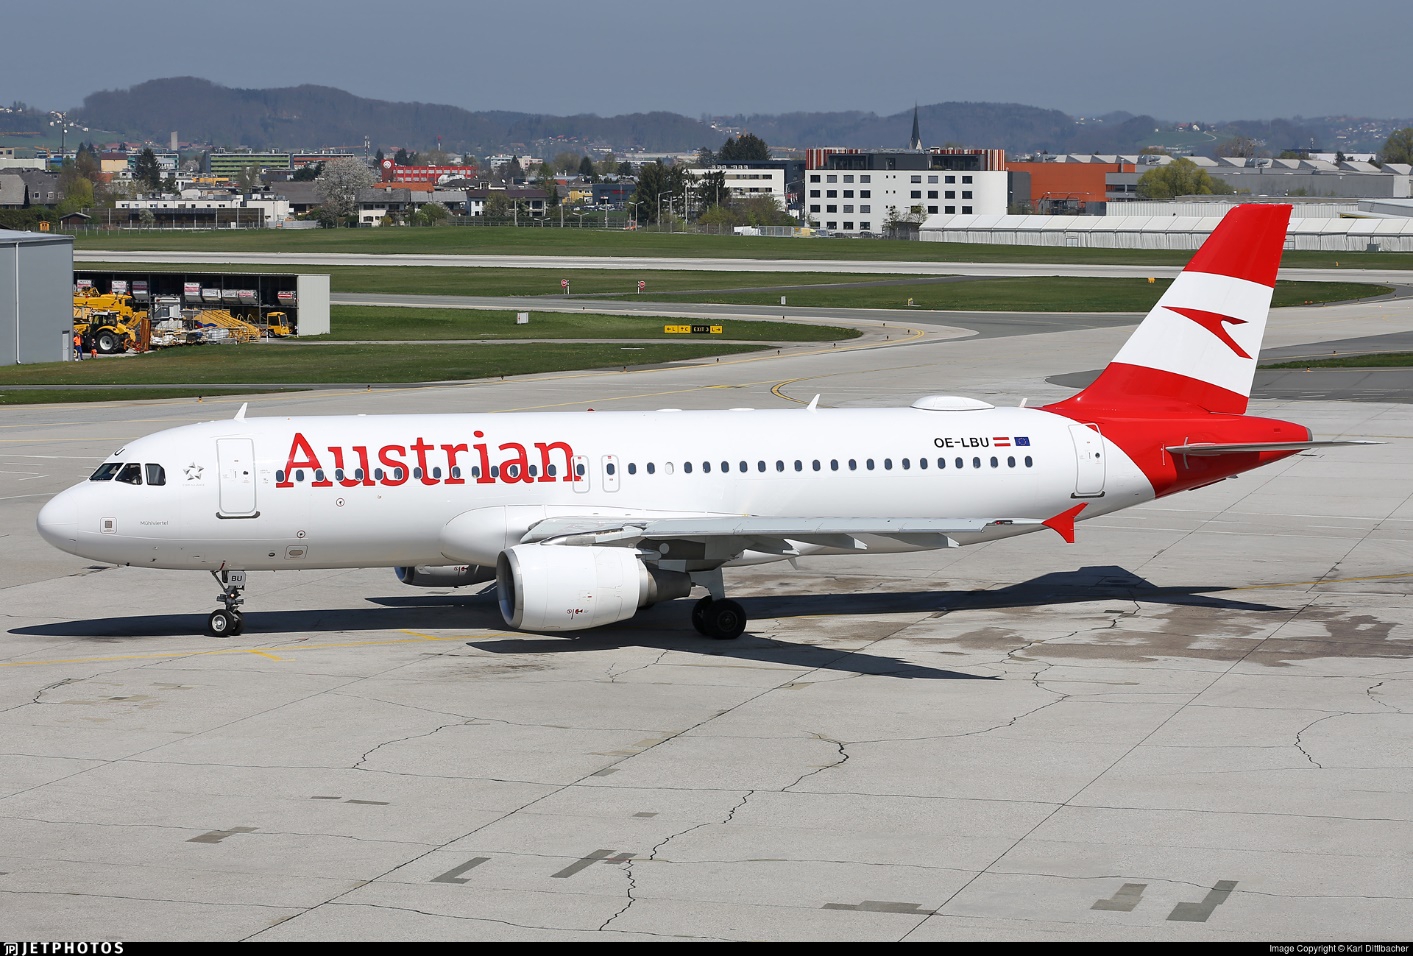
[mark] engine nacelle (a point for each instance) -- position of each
(566, 588)
(448, 577)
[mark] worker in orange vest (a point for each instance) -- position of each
(78, 347)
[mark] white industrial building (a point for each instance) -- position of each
(744, 181)
(856, 192)
(36, 297)
(1366, 230)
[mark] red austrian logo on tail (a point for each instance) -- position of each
(1213, 322)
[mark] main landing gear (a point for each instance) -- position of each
(227, 621)
(716, 616)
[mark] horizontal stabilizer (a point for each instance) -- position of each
(1209, 449)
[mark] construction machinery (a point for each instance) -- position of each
(110, 322)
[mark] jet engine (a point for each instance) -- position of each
(447, 577)
(569, 588)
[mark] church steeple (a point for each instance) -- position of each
(916, 141)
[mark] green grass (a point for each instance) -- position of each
(1029, 294)
(439, 280)
(497, 240)
(826, 290)
(373, 323)
(310, 363)
(1378, 360)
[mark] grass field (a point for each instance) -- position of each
(810, 290)
(296, 364)
(436, 280)
(374, 323)
(1038, 294)
(504, 240)
(1378, 360)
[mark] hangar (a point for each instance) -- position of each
(36, 297)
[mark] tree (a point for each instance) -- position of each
(339, 185)
(1239, 146)
(378, 159)
(1398, 148)
(169, 185)
(248, 178)
(309, 172)
(497, 205)
(625, 168)
(401, 158)
(146, 170)
(586, 170)
(706, 156)
(712, 191)
(432, 214)
(748, 148)
(658, 186)
(1181, 177)
(566, 162)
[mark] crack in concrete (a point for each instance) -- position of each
(146, 899)
(843, 759)
(1299, 734)
(613, 677)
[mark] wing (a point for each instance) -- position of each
(720, 537)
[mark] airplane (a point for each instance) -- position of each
(583, 518)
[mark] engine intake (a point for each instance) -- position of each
(565, 588)
(447, 577)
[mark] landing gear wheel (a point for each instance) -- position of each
(222, 623)
(724, 620)
(699, 611)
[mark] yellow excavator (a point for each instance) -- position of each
(110, 322)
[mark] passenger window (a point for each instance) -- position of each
(961, 463)
(475, 472)
(106, 471)
(131, 474)
(652, 469)
(994, 462)
(853, 465)
(1011, 462)
(319, 474)
(280, 475)
(799, 465)
(511, 471)
(706, 467)
(632, 468)
(610, 469)
(1028, 462)
(725, 466)
(578, 470)
(834, 464)
(760, 466)
(743, 467)
(377, 474)
(455, 472)
(888, 464)
(298, 474)
(437, 472)
(921, 463)
(976, 462)
(687, 467)
(779, 466)
(869, 464)
(667, 468)
(156, 474)
(941, 464)
(816, 464)
(338, 474)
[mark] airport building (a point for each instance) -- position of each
(856, 192)
(36, 297)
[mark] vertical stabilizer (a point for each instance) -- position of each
(1199, 344)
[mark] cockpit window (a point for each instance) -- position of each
(156, 474)
(131, 473)
(106, 471)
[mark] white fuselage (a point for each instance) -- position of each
(356, 491)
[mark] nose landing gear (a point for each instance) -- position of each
(227, 621)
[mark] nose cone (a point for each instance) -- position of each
(58, 521)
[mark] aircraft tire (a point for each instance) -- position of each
(725, 620)
(221, 623)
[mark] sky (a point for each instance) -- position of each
(1194, 60)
